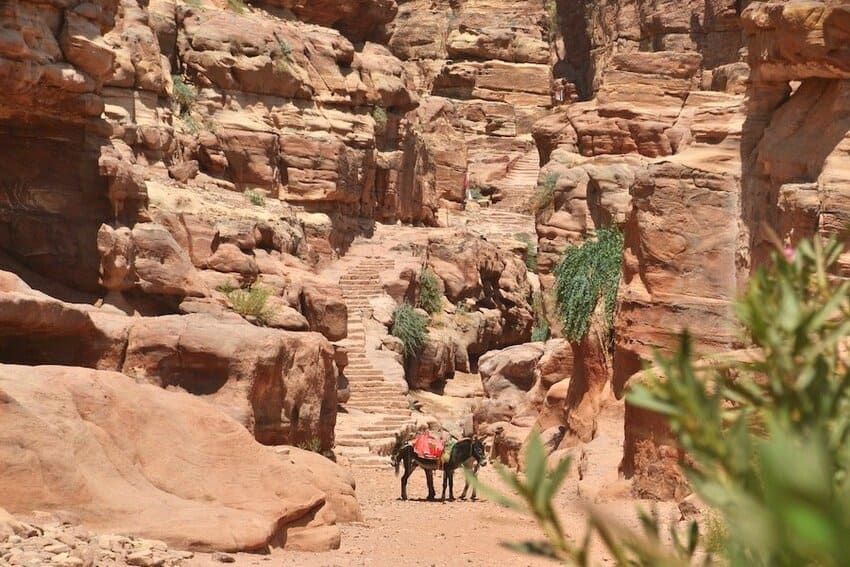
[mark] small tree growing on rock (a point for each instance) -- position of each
(183, 94)
(588, 273)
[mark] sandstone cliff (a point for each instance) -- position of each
(692, 128)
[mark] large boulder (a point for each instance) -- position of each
(435, 363)
(508, 374)
(135, 459)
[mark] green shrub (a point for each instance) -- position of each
(475, 193)
(586, 274)
(183, 94)
(313, 445)
(227, 287)
(251, 303)
(285, 48)
(411, 327)
(747, 423)
(430, 296)
(530, 251)
(193, 3)
(540, 331)
(237, 6)
(544, 195)
(554, 18)
(190, 124)
(255, 197)
(380, 117)
(767, 436)
(284, 56)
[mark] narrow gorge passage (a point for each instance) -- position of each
(247, 245)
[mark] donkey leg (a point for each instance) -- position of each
(429, 476)
(465, 485)
(408, 470)
(451, 474)
(474, 474)
(445, 483)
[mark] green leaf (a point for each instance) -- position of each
(535, 466)
(537, 548)
(557, 476)
(491, 493)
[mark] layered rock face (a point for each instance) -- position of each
(53, 61)
(798, 127)
(484, 68)
(140, 101)
(794, 167)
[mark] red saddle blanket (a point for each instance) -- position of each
(428, 447)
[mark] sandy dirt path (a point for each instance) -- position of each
(420, 533)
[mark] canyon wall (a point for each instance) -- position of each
(700, 129)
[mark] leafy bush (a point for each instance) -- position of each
(430, 296)
(255, 197)
(747, 422)
(411, 327)
(530, 251)
(251, 303)
(380, 117)
(544, 195)
(314, 445)
(183, 94)
(540, 331)
(227, 287)
(475, 193)
(767, 434)
(586, 274)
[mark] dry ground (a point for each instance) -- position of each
(421, 533)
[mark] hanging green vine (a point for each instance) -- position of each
(587, 273)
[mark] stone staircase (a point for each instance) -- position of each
(378, 407)
(501, 227)
(518, 186)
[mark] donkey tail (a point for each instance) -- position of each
(398, 451)
(396, 459)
